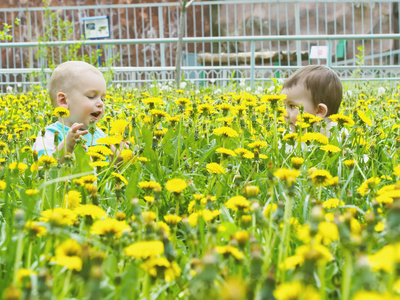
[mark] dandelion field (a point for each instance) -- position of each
(214, 198)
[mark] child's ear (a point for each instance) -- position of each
(321, 110)
(62, 99)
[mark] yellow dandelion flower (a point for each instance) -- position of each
(94, 211)
(215, 168)
(118, 127)
(342, 120)
(47, 161)
(72, 199)
(225, 131)
(176, 185)
(68, 255)
(172, 219)
(100, 149)
(332, 203)
(160, 266)
(119, 177)
(237, 202)
(127, 155)
(149, 199)
(349, 163)
(109, 227)
(287, 175)
(34, 228)
(111, 140)
(149, 185)
(297, 162)
(368, 185)
(258, 144)
(31, 192)
(99, 164)
(58, 216)
(226, 152)
(23, 273)
(330, 148)
(145, 249)
(321, 178)
(230, 250)
(328, 231)
(61, 112)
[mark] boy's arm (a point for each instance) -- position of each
(73, 135)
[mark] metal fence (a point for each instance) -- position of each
(223, 40)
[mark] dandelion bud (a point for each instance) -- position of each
(96, 272)
(120, 216)
(12, 293)
(317, 213)
(251, 191)
(154, 144)
(133, 121)
(136, 210)
(43, 132)
(19, 219)
(237, 179)
(56, 138)
(92, 127)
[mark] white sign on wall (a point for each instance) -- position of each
(319, 52)
(96, 27)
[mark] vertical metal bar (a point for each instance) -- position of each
(297, 28)
(227, 34)
(143, 36)
(211, 34)
(329, 60)
(353, 32)
(278, 32)
(122, 63)
(151, 46)
(128, 35)
(161, 35)
(136, 36)
(335, 31)
(317, 28)
(287, 32)
(372, 31)
(380, 31)
(252, 63)
(202, 31)
(20, 49)
(344, 32)
(308, 28)
(194, 33)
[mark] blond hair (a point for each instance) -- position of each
(323, 83)
(63, 77)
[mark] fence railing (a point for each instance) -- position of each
(254, 40)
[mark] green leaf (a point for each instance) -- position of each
(132, 186)
(82, 160)
(110, 265)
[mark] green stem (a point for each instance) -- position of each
(66, 285)
(18, 256)
(43, 191)
(65, 144)
(283, 248)
(347, 272)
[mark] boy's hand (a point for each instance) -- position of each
(72, 136)
(117, 152)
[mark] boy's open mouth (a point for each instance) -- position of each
(95, 114)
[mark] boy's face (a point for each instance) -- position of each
(297, 95)
(85, 98)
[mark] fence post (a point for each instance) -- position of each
(252, 63)
(297, 25)
(329, 60)
(162, 45)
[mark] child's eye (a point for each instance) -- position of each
(90, 97)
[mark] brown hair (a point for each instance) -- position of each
(323, 83)
(63, 77)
